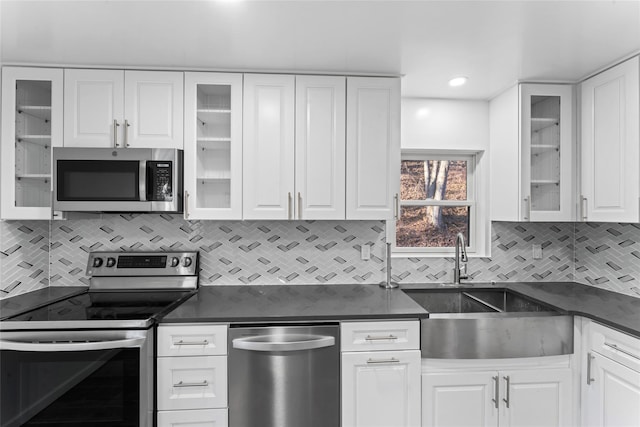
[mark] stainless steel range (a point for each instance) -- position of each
(88, 360)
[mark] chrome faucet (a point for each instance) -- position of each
(461, 256)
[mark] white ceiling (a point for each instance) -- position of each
(495, 43)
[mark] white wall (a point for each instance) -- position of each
(449, 124)
(445, 124)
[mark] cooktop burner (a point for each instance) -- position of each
(107, 306)
(128, 290)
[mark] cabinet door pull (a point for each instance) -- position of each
(496, 391)
(616, 348)
(590, 358)
(115, 133)
(299, 205)
(396, 213)
(382, 361)
(204, 383)
(289, 206)
(203, 342)
(186, 205)
(126, 133)
(583, 207)
(506, 399)
(380, 338)
(527, 205)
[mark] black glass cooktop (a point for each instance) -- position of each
(106, 305)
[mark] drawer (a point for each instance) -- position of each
(193, 418)
(616, 345)
(371, 336)
(197, 382)
(192, 340)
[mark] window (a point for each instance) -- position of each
(437, 201)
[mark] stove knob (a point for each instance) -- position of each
(175, 261)
(111, 262)
(97, 262)
(186, 262)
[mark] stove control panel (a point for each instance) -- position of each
(106, 264)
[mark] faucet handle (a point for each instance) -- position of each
(463, 271)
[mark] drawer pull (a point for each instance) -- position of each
(379, 361)
(616, 348)
(204, 383)
(381, 338)
(204, 342)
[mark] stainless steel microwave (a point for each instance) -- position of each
(117, 179)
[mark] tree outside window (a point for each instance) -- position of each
(436, 202)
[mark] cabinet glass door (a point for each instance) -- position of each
(545, 153)
(32, 124)
(548, 189)
(213, 146)
(33, 143)
(213, 170)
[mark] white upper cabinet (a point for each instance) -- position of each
(31, 125)
(373, 147)
(294, 175)
(213, 146)
(610, 145)
(320, 147)
(120, 109)
(268, 146)
(533, 153)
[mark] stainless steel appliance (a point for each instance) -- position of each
(88, 360)
(117, 179)
(284, 376)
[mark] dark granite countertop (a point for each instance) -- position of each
(272, 303)
(259, 303)
(613, 309)
(30, 300)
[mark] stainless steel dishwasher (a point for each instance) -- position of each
(284, 376)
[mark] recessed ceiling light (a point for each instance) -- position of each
(458, 81)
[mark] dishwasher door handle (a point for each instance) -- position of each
(283, 342)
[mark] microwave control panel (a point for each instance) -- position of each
(159, 179)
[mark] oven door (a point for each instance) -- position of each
(76, 378)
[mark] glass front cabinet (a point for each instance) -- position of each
(213, 146)
(32, 100)
(547, 152)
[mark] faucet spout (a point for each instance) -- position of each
(461, 256)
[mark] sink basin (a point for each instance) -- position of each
(490, 324)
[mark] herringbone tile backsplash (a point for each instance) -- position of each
(34, 254)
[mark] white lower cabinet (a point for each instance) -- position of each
(524, 397)
(193, 418)
(381, 388)
(611, 378)
(192, 375)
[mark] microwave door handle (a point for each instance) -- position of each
(142, 181)
(70, 346)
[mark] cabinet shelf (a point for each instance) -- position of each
(211, 142)
(43, 140)
(42, 112)
(214, 110)
(539, 123)
(544, 181)
(212, 177)
(39, 176)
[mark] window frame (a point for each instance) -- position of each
(472, 201)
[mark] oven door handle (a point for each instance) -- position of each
(70, 345)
